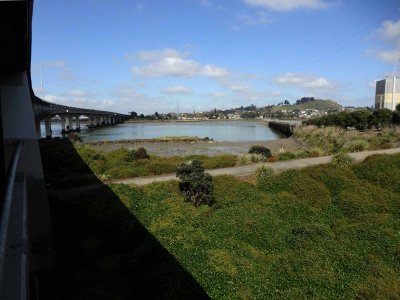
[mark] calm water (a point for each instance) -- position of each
(230, 131)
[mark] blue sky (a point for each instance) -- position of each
(187, 55)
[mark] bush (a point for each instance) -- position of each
(141, 153)
(247, 159)
(130, 156)
(272, 159)
(316, 152)
(287, 156)
(196, 186)
(358, 145)
(263, 173)
(342, 160)
(259, 149)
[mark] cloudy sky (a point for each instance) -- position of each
(186, 55)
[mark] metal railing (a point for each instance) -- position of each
(14, 222)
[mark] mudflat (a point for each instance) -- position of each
(207, 148)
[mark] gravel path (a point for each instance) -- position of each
(278, 166)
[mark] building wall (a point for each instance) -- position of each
(384, 96)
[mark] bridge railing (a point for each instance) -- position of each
(13, 233)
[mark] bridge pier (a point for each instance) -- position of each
(77, 124)
(70, 125)
(47, 125)
(63, 127)
(38, 129)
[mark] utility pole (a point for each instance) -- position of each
(396, 69)
(41, 79)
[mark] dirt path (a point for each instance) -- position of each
(251, 169)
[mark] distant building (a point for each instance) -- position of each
(387, 93)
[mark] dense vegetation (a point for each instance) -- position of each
(360, 119)
(330, 140)
(314, 104)
(122, 163)
(321, 232)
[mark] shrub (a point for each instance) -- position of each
(196, 185)
(342, 160)
(263, 173)
(386, 146)
(358, 145)
(247, 159)
(244, 159)
(316, 152)
(286, 156)
(220, 161)
(141, 153)
(259, 149)
(130, 156)
(272, 159)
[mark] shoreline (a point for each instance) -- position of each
(210, 148)
(196, 121)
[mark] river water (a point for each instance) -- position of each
(227, 131)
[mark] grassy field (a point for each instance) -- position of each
(120, 163)
(316, 104)
(330, 140)
(322, 232)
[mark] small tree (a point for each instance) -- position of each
(259, 149)
(141, 153)
(196, 185)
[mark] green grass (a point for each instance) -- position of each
(316, 104)
(118, 164)
(323, 232)
(331, 140)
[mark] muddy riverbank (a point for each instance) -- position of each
(206, 148)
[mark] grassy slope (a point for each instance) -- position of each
(316, 104)
(118, 164)
(321, 232)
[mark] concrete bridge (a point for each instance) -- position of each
(70, 116)
(284, 126)
(28, 263)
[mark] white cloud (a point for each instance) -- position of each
(153, 55)
(390, 31)
(389, 56)
(213, 71)
(169, 62)
(287, 5)
(77, 93)
(65, 72)
(258, 18)
(54, 64)
(236, 87)
(372, 84)
(219, 95)
(131, 100)
(304, 81)
(178, 89)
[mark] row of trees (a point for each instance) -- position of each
(360, 119)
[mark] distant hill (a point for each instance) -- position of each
(315, 104)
